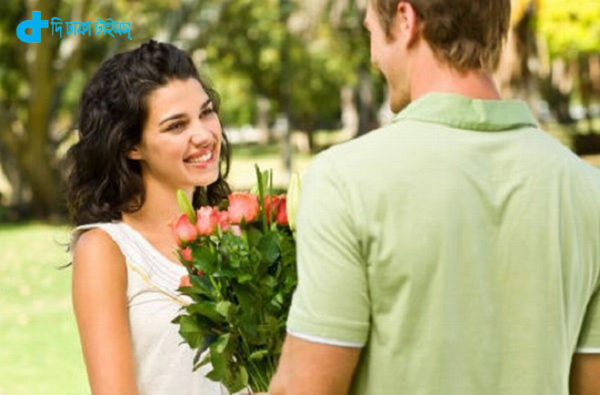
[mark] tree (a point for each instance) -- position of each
(339, 25)
(40, 86)
(258, 50)
(33, 79)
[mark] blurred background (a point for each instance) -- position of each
(294, 77)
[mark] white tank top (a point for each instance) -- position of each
(163, 361)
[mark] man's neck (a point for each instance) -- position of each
(432, 76)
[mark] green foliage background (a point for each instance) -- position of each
(570, 27)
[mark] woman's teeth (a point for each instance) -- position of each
(202, 158)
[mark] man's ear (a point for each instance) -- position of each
(134, 153)
(406, 23)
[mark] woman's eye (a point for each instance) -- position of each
(175, 126)
(206, 112)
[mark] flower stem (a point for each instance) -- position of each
(216, 286)
(258, 381)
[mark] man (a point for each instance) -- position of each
(455, 251)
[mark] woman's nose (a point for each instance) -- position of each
(200, 135)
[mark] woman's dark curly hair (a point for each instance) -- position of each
(102, 181)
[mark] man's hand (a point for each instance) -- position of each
(585, 374)
(313, 368)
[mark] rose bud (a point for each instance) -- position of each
(183, 229)
(186, 254)
(223, 220)
(236, 230)
(281, 217)
(208, 218)
(242, 206)
(185, 281)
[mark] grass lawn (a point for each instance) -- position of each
(39, 352)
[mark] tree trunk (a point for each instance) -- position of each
(27, 142)
(349, 112)
(586, 87)
(556, 90)
(366, 103)
(37, 160)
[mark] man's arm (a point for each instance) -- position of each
(585, 374)
(313, 368)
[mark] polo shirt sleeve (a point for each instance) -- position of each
(331, 303)
(589, 338)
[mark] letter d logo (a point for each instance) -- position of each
(36, 24)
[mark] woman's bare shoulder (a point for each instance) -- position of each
(96, 250)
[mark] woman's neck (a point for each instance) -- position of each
(157, 211)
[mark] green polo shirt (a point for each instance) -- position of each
(459, 246)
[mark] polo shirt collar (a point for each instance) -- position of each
(472, 114)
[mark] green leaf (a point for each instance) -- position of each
(269, 247)
(185, 206)
(206, 342)
(191, 331)
(221, 343)
(234, 380)
(205, 259)
(254, 236)
(205, 309)
(225, 308)
(258, 355)
(244, 278)
(224, 368)
(268, 282)
(240, 380)
(233, 375)
(277, 300)
(201, 285)
(262, 180)
(204, 361)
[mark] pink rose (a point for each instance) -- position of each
(275, 207)
(186, 254)
(208, 218)
(183, 229)
(242, 206)
(185, 281)
(281, 216)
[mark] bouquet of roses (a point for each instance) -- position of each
(242, 272)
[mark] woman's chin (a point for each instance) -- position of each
(206, 180)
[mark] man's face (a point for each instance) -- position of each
(378, 38)
(389, 55)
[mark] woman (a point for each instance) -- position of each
(148, 125)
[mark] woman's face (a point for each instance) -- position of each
(181, 138)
